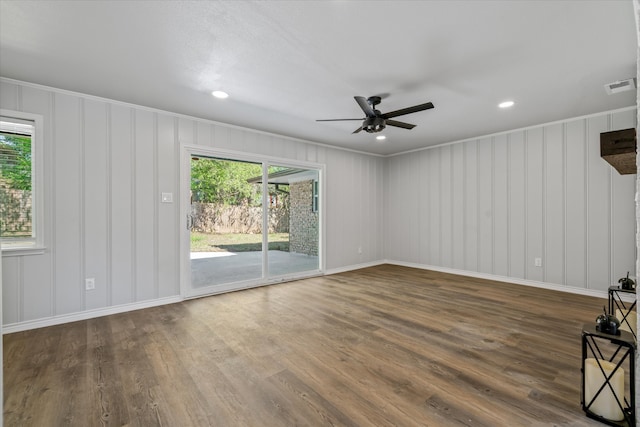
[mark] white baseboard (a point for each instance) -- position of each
(89, 314)
(552, 286)
(354, 267)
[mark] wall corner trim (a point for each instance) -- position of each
(517, 281)
(354, 267)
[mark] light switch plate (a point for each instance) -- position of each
(167, 197)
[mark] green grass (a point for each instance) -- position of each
(203, 242)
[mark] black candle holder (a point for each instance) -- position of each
(618, 350)
(616, 301)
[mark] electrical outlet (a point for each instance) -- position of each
(89, 283)
(537, 262)
(359, 249)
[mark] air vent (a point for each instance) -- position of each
(620, 86)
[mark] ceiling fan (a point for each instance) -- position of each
(375, 121)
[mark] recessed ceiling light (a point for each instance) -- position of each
(220, 94)
(381, 137)
(506, 104)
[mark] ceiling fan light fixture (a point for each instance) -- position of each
(381, 137)
(373, 124)
(506, 104)
(220, 94)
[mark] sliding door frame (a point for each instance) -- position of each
(187, 151)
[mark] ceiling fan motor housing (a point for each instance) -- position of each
(373, 124)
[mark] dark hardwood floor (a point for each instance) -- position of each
(382, 346)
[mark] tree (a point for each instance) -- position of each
(224, 181)
(15, 161)
(15, 185)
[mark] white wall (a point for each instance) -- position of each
(486, 206)
(492, 205)
(106, 164)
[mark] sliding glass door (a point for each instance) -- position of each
(293, 207)
(248, 222)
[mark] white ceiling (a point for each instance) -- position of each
(286, 64)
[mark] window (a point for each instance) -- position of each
(314, 200)
(20, 181)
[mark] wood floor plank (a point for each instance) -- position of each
(381, 346)
(136, 374)
(108, 393)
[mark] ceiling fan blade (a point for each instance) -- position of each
(336, 120)
(362, 102)
(408, 110)
(399, 124)
(357, 130)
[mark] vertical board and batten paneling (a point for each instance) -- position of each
(444, 205)
(351, 228)
(516, 205)
(94, 165)
(485, 189)
(422, 186)
(554, 187)
(412, 216)
(376, 203)
(542, 192)
(500, 207)
(338, 202)
(393, 180)
(433, 167)
(144, 141)
(534, 204)
(362, 175)
(166, 182)
(12, 269)
(576, 204)
(457, 206)
(470, 202)
(122, 214)
(67, 246)
(364, 210)
(106, 164)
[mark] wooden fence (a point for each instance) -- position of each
(216, 218)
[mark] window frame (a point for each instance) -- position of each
(35, 244)
(315, 199)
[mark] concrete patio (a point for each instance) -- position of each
(215, 268)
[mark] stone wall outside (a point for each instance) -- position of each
(303, 227)
(15, 212)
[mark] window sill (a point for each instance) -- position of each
(33, 250)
